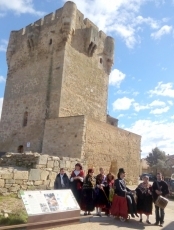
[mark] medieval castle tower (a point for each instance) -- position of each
(55, 98)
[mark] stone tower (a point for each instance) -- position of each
(55, 98)
(57, 67)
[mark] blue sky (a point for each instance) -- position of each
(141, 84)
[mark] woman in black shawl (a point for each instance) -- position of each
(144, 199)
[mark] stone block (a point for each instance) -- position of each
(14, 189)
(35, 174)
(56, 169)
(7, 175)
(55, 158)
(21, 175)
(68, 164)
(46, 182)
(44, 175)
(8, 185)
(40, 166)
(42, 160)
(24, 187)
(1, 183)
(56, 163)
(52, 175)
(39, 182)
(42, 187)
(30, 183)
(50, 164)
(19, 182)
(62, 164)
(51, 185)
(3, 190)
(10, 181)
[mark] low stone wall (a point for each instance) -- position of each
(32, 171)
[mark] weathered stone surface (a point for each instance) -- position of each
(8, 185)
(21, 175)
(39, 182)
(56, 169)
(10, 181)
(1, 183)
(19, 182)
(35, 174)
(52, 175)
(42, 187)
(44, 175)
(23, 187)
(56, 163)
(62, 164)
(51, 185)
(3, 190)
(43, 160)
(50, 164)
(7, 175)
(68, 164)
(14, 189)
(30, 183)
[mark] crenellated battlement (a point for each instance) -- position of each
(64, 25)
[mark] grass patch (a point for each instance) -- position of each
(14, 218)
(3, 198)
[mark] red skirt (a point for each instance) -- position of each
(119, 207)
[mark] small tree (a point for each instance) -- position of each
(156, 159)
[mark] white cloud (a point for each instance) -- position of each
(139, 107)
(3, 45)
(172, 117)
(122, 103)
(120, 115)
(160, 111)
(157, 103)
(170, 102)
(121, 17)
(1, 101)
(122, 92)
(164, 30)
(2, 79)
(154, 134)
(116, 77)
(149, 21)
(18, 7)
(163, 90)
(135, 93)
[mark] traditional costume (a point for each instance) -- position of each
(88, 193)
(109, 191)
(76, 184)
(101, 200)
(123, 191)
(162, 187)
(144, 200)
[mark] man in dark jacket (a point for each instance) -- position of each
(159, 187)
(62, 180)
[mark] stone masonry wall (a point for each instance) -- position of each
(111, 147)
(31, 171)
(64, 136)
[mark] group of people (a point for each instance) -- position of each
(98, 191)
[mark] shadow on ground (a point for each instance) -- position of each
(109, 221)
(169, 226)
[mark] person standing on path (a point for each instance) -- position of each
(159, 187)
(62, 180)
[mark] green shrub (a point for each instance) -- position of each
(14, 218)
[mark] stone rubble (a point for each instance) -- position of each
(32, 171)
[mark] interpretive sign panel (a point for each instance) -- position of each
(49, 201)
